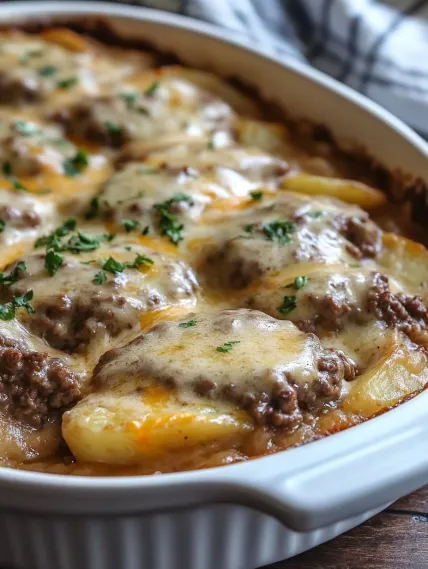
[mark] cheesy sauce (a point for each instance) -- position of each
(184, 284)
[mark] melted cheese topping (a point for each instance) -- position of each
(234, 214)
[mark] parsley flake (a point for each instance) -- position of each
(168, 222)
(227, 346)
(139, 261)
(315, 214)
(94, 207)
(100, 278)
(256, 195)
(17, 184)
(67, 83)
(145, 230)
(47, 71)
(129, 98)
(288, 304)
(130, 224)
(53, 261)
(14, 275)
(188, 324)
(82, 243)
(150, 91)
(74, 166)
(299, 282)
(8, 311)
(114, 266)
(279, 231)
(2, 225)
(113, 129)
(7, 169)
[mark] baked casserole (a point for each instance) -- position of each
(187, 280)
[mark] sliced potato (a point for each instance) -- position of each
(407, 261)
(397, 375)
(348, 191)
(219, 87)
(268, 136)
(126, 426)
(66, 38)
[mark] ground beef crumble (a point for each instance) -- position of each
(407, 313)
(71, 323)
(363, 235)
(33, 385)
(284, 406)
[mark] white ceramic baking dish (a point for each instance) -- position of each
(249, 514)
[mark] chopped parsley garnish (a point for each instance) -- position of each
(140, 260)
(188, 324)
(355, 265)
(278, 230)
(8, 311)
(299, 282)
(146, 230)
(77, 243)
(53, 240)
(150, 91)
(2, 225)
(72, 167)
(113, 129)
(14, 275)
(7, 169)
(17, 184)
(25, 128)
(94, 208)
(7, 172)
(315, 214)
(227, 346)
(48, 70)
(53, 261)
(168, 222)
(289, 304)
(130, 224)
(129, 98)
(114, 266)
(82, 243)
(211, 144)
(256, 195)
(100, 278)
(67, 83)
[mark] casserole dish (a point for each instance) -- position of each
(248, 514)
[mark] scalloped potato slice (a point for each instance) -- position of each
(268, 136)
(66, 38)
(406, 260)
(348, 191)
(126, 425)
(397, 375)
(212, 83)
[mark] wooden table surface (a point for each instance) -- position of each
(394, 539)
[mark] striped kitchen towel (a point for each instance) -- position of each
(379, 47)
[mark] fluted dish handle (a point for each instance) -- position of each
(347, 474)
